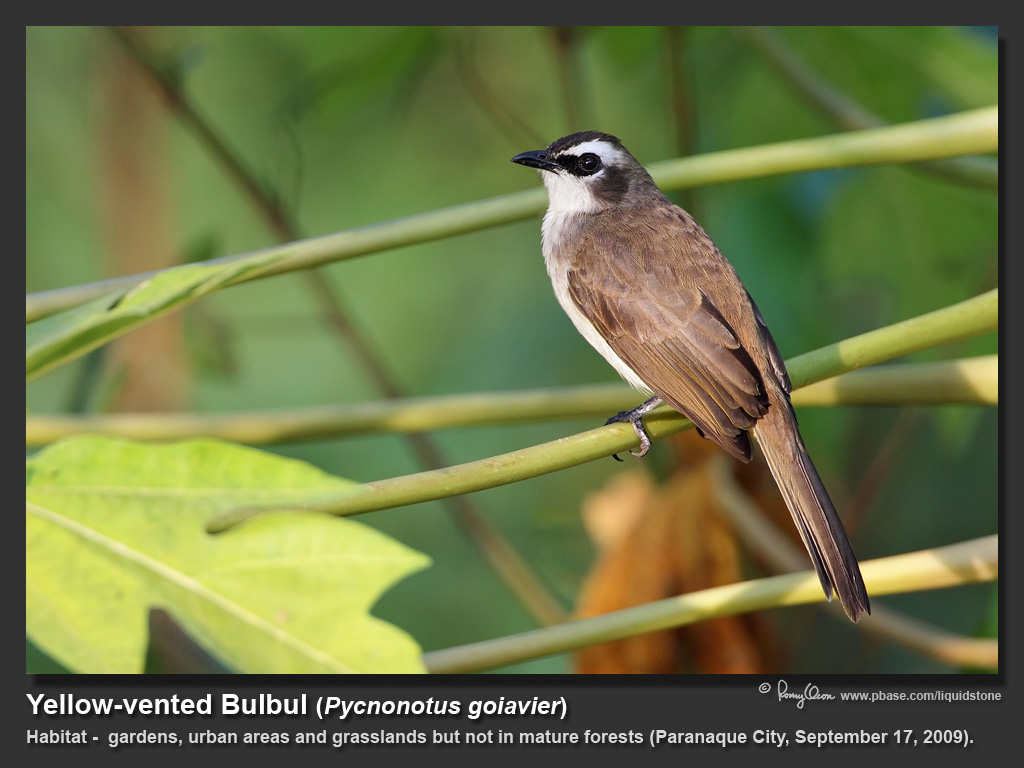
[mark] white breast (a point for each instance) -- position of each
(556, 224)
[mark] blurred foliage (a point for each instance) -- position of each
(349, 126)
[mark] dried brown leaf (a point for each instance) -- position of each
(657, 541)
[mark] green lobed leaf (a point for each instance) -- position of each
(115, 527)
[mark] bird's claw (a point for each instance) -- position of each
(634, 417)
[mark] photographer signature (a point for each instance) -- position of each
(809, 693)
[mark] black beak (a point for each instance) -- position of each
(537, 159)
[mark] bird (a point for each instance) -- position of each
(648, 288)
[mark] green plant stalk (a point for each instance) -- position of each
(968, 318)
(958, 321)
(780, 554)
(964, 563)
(849, 115)
(968, 381)
(966, 133)
(923, 638)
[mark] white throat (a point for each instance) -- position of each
(572, 194)
(570, 200)
(568, 193)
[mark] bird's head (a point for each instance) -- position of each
(588, 172)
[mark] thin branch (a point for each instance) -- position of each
(505, 119)
(571, 90)
(947, 647)
(851, 116)
(684, 126)
(968, 318)
(972, 381)
(968, 562)
(883, 465)
(972, 132)
(963, 320)
(496, 550)
(772, 547)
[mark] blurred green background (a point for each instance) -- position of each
(350, 126)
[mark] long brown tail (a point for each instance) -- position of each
(815, 517)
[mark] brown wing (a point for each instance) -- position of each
(678, 322)
(774, 356)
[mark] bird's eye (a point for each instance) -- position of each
(588, 164)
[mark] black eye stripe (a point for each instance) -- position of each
(586, 164)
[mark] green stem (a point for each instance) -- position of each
(972, 132)
(966, 133)
(958, 321)
(851, 116)
(968, 381)
(964, 563)
(968, 318)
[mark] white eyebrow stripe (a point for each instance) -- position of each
(602, 149)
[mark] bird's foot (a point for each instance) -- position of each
(635, 417)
